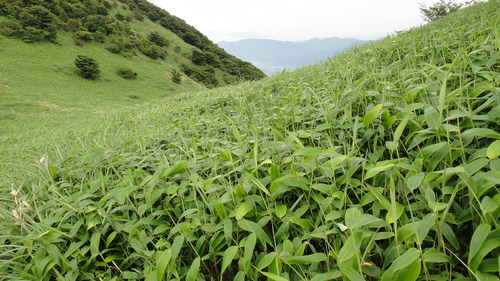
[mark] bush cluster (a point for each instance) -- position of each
(122, 46)
(88, 67)
(176, 76)
(126, 72)
(204, 75)
(157, 39)
(442, 8)
(152, 51)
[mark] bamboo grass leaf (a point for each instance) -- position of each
(327, 276)
(193, 270)
(435, 256)
(405, 260)
(228, 257)
(274, 277)
(371, 114)
(493, 150)
(306, 259)
(266, 261)
(252, 227)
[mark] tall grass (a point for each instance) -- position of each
(380, 164)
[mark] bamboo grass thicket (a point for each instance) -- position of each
(379, 164)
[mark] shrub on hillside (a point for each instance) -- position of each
(441, 9)
(157, 39)
(84, 36)
(126, 72)
(204, 58)
(203, 75)
(38, 23)
(88, 67)
(11, 28)
(124, 47)
(176, 76)
(32, 34)
(152, 51)
(74, 24)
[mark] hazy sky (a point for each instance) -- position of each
(295, 20)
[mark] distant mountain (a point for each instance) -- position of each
(272, 56)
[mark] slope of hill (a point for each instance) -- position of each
(39, 83)
(126, 33)
(379, 164)
(273, 56)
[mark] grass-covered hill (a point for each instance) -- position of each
(40, 40)
(379, 164)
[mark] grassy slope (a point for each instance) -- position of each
(40, 90)
(394, 140)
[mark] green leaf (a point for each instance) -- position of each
(481, 133)
(399, 131)
(352, 274)
(371, 114)
(366, 219)
(280, 211)
(163, 258)
(406, 259)
(274, 277)
(351, 246)
(251, 226)
(394, 212)
(94, 243)
(54, 253)
(371, 172)
(432, 117)
(478, 239)
(308, 151)
(415, 181)
(304, 223)
(488, 246)
(442, 95)
(489, 205)
(240, 276)
(449, 235)
(326, 276)
(386, 204)
(177, 168)
(242, 210)
(410, 272)
(258, 184)
(493, 150)
(425, 227)
(228, 258)
(307, 259)
(193, 270)
(177, 246)
(249, 250)
(435, 256)
(266, 261)
(228, 230)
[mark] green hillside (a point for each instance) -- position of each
(41, 40)
(381, 163)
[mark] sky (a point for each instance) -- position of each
(296, 20)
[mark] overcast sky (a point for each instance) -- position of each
(296, 20)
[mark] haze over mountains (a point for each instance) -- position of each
(273, 56)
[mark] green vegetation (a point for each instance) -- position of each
(441, 9)
(379, 164)
(117, 26)
(88, 67)
(126, 72)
